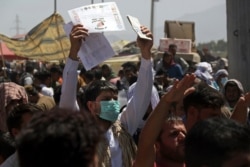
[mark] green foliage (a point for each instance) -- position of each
(218, 48)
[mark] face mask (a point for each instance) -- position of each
(110, 110)
(213, 84)
(223, 80)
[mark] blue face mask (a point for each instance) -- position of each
(223, 80)
(215, 85)
(110, 110)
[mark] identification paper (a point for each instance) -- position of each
(137, 27)
(94, 50)
(98, 17)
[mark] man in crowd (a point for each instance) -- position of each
(45, 102)
(203, 102)
(27, 77)
(17, 119)
(179, 60)
(218, 142)
(200, 102)
(163, 134)
(100, 99)
(59, 138)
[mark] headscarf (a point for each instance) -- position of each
(9, 91)
(238, 84)
(220, 72)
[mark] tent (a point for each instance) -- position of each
(46, 41)
(7, 54)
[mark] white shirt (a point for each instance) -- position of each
(134, 112)
(47, 91)
(115, 150)
(11, 161)
(137, 105)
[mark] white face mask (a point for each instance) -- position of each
(223, 80)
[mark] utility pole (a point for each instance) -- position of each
(152, 15)
(17, 27)
(55, 6)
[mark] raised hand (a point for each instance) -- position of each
(77, 35)
(144, 44)
(180, 88)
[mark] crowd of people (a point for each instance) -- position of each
(174, 115)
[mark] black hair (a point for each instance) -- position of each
(42, 76)
(29, 68)
(98, 73)
(14, 118)
(59, 138)
(167, 53)
(31, 90)
(7, 146)
(130, 65)
(213, 141)
(56, 69)
(172, 46)
(94, 89)
(204, 96)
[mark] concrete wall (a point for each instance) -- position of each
(238, 35)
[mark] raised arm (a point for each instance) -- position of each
(69, 86)
(152, 128)
(240, 112)
(140, 100)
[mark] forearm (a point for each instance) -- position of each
(141, 96)
(69, 86)
(154, 123)
(152, 128)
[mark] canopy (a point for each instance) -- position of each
(47, 41)
(8, 54)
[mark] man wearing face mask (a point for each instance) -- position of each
(100, 99)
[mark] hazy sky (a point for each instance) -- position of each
(32, 12)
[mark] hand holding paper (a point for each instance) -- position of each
(95, 49)
(137, 27)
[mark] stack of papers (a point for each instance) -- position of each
(98, 18)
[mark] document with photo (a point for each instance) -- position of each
(98, 17)
(136, 26)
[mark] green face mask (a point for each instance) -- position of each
(110, 110)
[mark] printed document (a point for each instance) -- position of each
(98, 17)
(94, 50)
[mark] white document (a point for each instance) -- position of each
(94, 50)
(98, 17)
(137, 27)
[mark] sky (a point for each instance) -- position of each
(32, 12)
